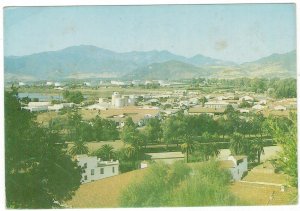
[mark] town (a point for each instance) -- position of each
(150, 105)
(114, 128)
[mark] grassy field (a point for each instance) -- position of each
(266, 177)
(260, 194)
(105, 192)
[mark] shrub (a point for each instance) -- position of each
(179, 185)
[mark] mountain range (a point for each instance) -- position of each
(85, 61)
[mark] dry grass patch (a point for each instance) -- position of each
(45, 117)
(255, 194)
(265, 177)
(105, 192)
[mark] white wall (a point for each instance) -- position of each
(238, 171)
(109, 168)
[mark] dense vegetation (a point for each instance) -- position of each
(275, 87)
(285, 134)
(38, 171)
(180, 185)
(74, 97)
(201, 137)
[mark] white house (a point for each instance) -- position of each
(216, 104)
(94, 168)
(38, 106)
(57, 84)
(244, 111)
(280, 108)
(262, 102)
(237, 166)
(258, 107)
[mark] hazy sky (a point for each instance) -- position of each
(240, 32)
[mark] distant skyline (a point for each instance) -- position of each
(234, 32)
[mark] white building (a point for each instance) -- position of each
(119, 83)
(280, 108)
(244, 111)
(237, 166)
(56, 107)
(22, 83)
(114, 96)
(49, 83)
(38, 106)
(57, 84)
(99, 106)
(258, 107)
(131, 100)
(95, 169)
(216, 104)
(119, 101)
(86, 83)
(262, 102)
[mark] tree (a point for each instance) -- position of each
(130, 134)
(79, 148)
(237, 145)
(38, 171)
(74, 97)
(153, 131)
(286, 137)
(106, 152)
(258, 147)
(187, 146)
(203, 100)
(98, 128)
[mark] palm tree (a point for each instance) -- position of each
(107, 151)
(214, 150)
(258, 147)
(79, 147)
(237, 145)
(188, 146)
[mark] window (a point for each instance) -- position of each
(85, 165)
(85, 177)
(92, 172)
(113, 169)
(102, 171)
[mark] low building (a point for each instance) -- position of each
(99, 106)
(197, 110)
(258, 107)
(244, 111)
(216, 104)
(56, 107)
(166, 157)
(280, 108)
(37, 106)
(237, 166)
(94, 168)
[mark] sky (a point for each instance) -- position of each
(234, 32)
